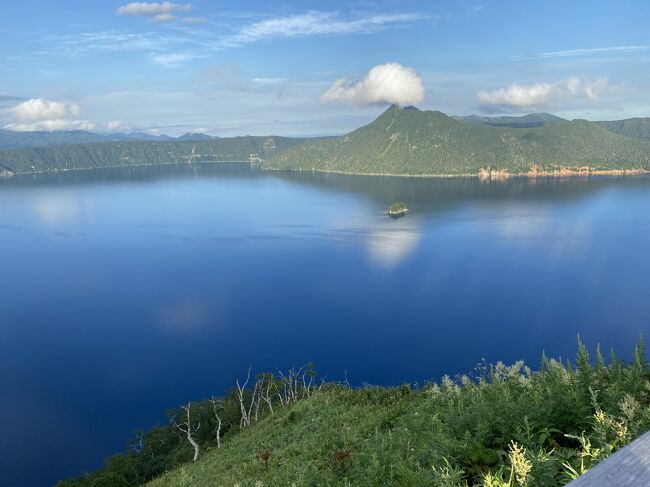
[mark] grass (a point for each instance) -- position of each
(505, 426)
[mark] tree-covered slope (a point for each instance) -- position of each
(413, 142)
(526, 121)
(635, 128)
(110, 154)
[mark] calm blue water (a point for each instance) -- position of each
(126, 292)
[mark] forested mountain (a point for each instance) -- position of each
(635, 128)
(407, 141)
(127, 153)
(402, 141)
(10, 139)
(526, 121)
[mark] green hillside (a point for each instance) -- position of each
(111, 154)
(635, 128)
(500, 427)
(402, 141)
(526, 121)
(412, 142)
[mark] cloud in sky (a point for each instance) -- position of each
(586, 52)
(389, 83)
(151, 9)
(117, 125)
(173, 59)
(36, 109)
(313, 23)
(42, 114)
(163, 18)
(195, 20)
(540, 95)
(52, 125)
(268, 81)
(170, 44)
(161, 13)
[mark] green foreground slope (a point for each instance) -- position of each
(504, 426)
(111, 154)
(407, 141)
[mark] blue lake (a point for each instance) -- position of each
(129, 291)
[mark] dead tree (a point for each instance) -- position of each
(268, 389)
(137, 444)
(290, 386)
(216, 405)
(185, 425)
(246, 410)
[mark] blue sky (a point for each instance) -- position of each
(249, 67)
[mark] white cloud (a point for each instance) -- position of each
(38, 114)
(163, 18)
(116, 126)
(195, 20)
(173, 59)
(36, 109)
(152, 9)
(52, 125)
(389, 83)
(540, 95)
(587, 52)
(268, 81)
(313, 24)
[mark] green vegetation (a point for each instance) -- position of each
(128, 153)
(502, 426)
(397, 209)
(402, 141)
(526, 121)
(407, 141)
(634, 128)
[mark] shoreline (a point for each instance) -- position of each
(493, 175)
(123, 166)
(484, 174)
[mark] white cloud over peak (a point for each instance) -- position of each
(152, 9)
(389, 83)
(540, 95)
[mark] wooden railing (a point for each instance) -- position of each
(628, 467)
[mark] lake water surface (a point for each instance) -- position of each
(129, 291)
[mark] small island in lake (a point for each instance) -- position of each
(397, 209)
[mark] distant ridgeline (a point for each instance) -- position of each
(401, 141)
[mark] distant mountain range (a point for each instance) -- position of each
(401, 141)
(12, 140)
